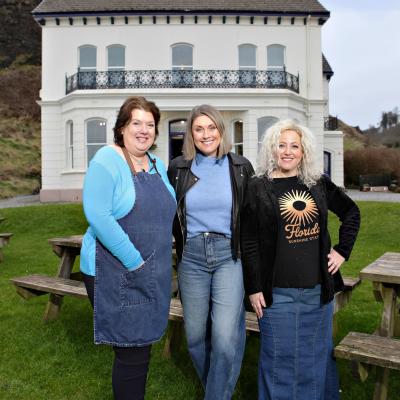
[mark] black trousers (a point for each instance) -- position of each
(131, 364)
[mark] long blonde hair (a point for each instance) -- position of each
(308, 172)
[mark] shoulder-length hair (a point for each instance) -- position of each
(308, 172)
(125, 115)
(189, 148)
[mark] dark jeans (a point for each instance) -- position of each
(130, 366)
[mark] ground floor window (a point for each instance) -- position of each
(237, 137)
(96, 136)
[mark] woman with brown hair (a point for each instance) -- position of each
(126, 251)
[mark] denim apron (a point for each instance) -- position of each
(131, 307)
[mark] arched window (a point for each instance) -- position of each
(263, 124)
(70, 144)
(87, 58)
(96, 136)
(276, 57)
(116, 57)
(182, 56)
(247, 56)
(237, 137)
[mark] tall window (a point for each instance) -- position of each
(87, 58)
(247, 56)
(276, 57)
(70, 144)
(263, 124)
(96, 136)
(182, 56)
(238, 137)
(327, 163)
(116, 57)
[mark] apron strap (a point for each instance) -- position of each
(128, 160)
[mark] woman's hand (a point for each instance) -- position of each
(335, 260)
(257, 302)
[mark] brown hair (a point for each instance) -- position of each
(125, 115)
(189, 148)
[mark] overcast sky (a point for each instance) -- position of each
(361, 41)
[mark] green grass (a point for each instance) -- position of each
(58, 360)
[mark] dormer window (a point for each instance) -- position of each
(182, 56)
(247, 56)
(276, 57)
(116, 57)
(87, 58)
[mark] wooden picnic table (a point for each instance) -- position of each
(384, 273)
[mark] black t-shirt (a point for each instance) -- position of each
(297, 257)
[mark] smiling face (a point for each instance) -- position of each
(139, 133)
(206, 136)
(289, 153)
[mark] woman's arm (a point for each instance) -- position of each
(349, 214)
(98, 191)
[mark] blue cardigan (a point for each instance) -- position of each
(108, 195)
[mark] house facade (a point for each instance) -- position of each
(257, 63)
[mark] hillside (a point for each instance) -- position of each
(20, 36)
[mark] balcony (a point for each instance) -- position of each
(173, 79)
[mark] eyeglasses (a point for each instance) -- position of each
(201, 130)
(138, 125)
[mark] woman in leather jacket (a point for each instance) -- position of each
(210, 183)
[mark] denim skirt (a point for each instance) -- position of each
(296, 347)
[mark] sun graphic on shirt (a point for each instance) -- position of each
(298, 207)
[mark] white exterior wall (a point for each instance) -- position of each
(215, 47)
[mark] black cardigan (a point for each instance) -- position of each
(259, 234)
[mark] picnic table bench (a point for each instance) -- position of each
(68, 283)
(4, 240)
(378, 349)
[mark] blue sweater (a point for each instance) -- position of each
(108, 195)
(209, 201)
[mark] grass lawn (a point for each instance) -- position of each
(58, 360)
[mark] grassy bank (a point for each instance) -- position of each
(58, 360)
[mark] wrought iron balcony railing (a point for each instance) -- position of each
(155, 79)
(331, 124)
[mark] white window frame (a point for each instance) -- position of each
(235, 144)
(69, 127)
(277, 67)
(247, 67)
(181, 66)
(116, 67)
(87, 144)
(261, 130)
(91, 68)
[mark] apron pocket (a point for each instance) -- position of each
(137, 286)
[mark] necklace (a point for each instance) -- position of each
(138, 162)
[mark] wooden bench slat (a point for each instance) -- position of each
(50, 284)
(370, 349)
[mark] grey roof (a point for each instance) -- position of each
(326, 68)
(135, 6)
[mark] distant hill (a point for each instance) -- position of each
(20, 36)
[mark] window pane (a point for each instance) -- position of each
(177, 127)
(87, 57)
(247, 56)
(263, 124)
(71, 134)
(239, 149)
(116, 57)
(182, 55)
(238, 132)
(96, 131)
(92, 149)
(275, 55)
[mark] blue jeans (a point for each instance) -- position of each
(211, 287)
(296, 347)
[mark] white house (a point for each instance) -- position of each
(256, 61)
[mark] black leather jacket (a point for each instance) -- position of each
(182, 179)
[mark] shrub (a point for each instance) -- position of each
(371, 160)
